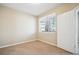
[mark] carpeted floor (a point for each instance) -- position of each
(33, 48)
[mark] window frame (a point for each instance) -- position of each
(41, 18)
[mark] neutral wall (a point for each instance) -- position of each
(16, 26)
(52, 37)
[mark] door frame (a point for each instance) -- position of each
(77, 30)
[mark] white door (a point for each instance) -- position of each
(66, 31)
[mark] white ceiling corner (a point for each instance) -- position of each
(33, 9)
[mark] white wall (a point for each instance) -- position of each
(16, 26)
(48, 37)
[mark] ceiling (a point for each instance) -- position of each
(35, 9)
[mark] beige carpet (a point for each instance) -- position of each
(33, 48)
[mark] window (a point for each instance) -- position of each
(48, 23)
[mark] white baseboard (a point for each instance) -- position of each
(28, 41)
(48, 42)
(18, 43)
